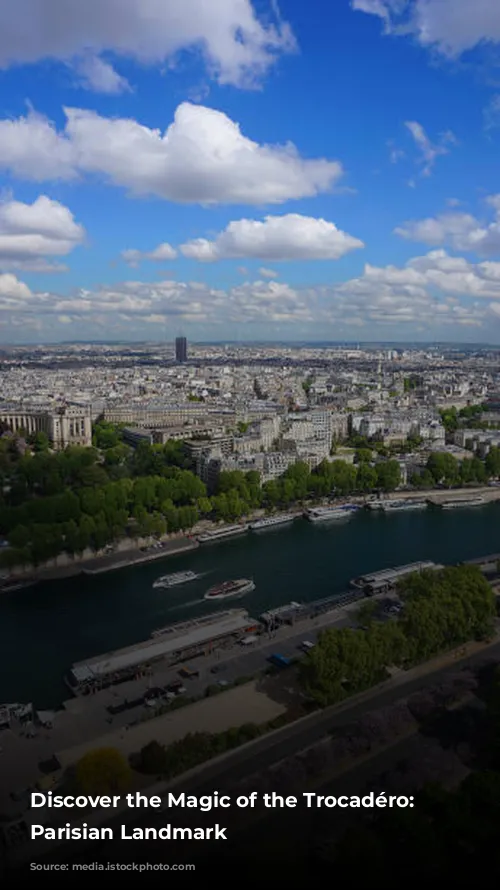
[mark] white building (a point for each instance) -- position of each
(67, 425)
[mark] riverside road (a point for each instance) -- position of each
(85, 719)
(247, 761)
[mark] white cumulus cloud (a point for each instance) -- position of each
(276, 238)
(449, 26)
(32, 149)
(163, 252)
(461, 231)
(423, 276)
(236, 44)
(13, 292)
(203, 157)
(30, 234)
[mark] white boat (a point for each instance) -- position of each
(406, 505)
(376, 582)
(401, 505)
(457, 503)
(272, 521)
(229, 589)
(228, 531)
(175, 579)
(324, 514)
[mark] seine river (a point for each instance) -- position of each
(43, 630)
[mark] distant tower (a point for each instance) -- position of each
(379, 376)
(180, 349)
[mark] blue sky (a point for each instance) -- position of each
(234, 170)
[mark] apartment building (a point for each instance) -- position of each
(163, 416)
(479, 441)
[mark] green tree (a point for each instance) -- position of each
(363, 455)
(204, 505)
(366, 613)
(388, 475)
(449, 419)
(443, 468)
(103, 771)
(366, 477)
(343, 476)
(442, 609)
(106, 435)
(19, 537)
(40, 441)
(71, 537)
(423, 480)
(152, 759)
(492, 461)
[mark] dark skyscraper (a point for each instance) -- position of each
(181, 349)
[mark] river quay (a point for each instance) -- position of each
(125, 553)
(119, 556)
(114, 561)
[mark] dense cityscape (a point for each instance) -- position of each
(240, 404)
(221, 441)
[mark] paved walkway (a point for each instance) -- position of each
(85, 719)
(73, 736)
(216, 714)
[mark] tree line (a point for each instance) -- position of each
(106, 770)
(66, 502)
(442, 609)
(82, 498)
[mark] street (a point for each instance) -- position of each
(252, 759)
(85, 720)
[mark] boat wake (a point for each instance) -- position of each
(185, 605)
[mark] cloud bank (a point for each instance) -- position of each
(202, 158)
(461, 231)
(426, 294)
(237, 46)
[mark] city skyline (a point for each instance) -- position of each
(253, 177)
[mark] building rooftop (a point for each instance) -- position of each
(189, 635)
(390, 574)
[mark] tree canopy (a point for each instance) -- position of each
(83, 498)
(442, 609)
(89, 497)
(103, 771)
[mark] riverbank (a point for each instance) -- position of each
(125, 556)
(109, 563)
(99, 564)
(436, 495)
